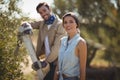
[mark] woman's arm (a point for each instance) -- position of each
(82, 54)
(56, 74)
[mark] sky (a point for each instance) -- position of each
(29, 7)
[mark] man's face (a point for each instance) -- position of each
(44, 12)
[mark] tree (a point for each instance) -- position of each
(10, 19)
(99, 25)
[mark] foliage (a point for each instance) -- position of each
(99, 25)
(10, 19)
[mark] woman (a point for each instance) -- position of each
(73, 52)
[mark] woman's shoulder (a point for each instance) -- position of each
(82, 39)
(82, 42)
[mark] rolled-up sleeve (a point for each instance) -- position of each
(36, 24)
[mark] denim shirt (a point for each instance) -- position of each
(68, 61)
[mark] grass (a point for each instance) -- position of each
(30, 76)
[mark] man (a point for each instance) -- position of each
(50, 33)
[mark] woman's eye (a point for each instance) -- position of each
(71, 21)
(65, 22)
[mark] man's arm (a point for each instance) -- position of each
(55, 48)
(36, 24)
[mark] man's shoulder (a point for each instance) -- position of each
(58, 22)
(58, 18)
(64, 38)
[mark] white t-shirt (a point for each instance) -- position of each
(46, 42)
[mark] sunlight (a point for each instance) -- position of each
(29, 7)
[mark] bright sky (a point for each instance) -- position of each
(29, 7)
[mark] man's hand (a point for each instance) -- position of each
(35, 65)
(25, 28)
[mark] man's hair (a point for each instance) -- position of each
(41, 4)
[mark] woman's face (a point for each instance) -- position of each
(69, 24)
(44, 12)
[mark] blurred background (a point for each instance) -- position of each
(100, 27)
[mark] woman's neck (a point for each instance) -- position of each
(71, 35)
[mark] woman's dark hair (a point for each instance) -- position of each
(41, 4)
(72, 15)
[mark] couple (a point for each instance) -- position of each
(65, 53)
